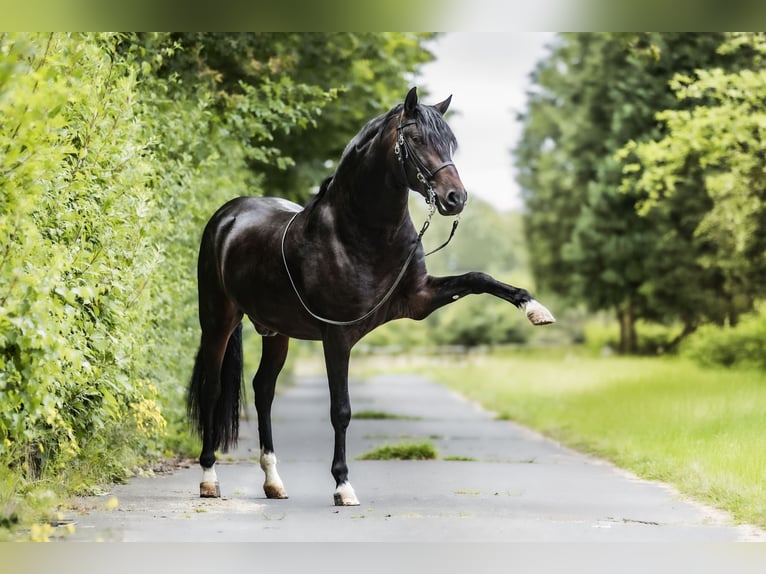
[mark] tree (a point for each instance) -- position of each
(594, 93)
(719, 141)
(274, 89)
(370, 72)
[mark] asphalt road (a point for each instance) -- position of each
(517, 487)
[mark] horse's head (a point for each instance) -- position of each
(424, 147)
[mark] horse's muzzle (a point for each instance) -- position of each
(452, 202)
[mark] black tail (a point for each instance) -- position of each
(226, 409)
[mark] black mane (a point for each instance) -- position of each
(435, 131)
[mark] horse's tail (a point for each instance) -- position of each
(225, 423)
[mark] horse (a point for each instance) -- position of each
(333, 271)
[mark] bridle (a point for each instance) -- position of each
(403, 151)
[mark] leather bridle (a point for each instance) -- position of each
(403, 150)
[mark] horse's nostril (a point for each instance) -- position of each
(453, 198)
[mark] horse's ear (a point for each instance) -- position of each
(410, 102)
(441, 107)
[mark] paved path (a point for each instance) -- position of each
(519, 486)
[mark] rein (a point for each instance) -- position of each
(420, 168)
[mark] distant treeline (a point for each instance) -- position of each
(643, 164)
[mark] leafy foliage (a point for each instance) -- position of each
(273, 87)
(78, 253)
(720, 140)
(738, 346)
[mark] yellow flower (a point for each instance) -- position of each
(40, 532)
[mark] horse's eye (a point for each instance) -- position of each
(417, 139)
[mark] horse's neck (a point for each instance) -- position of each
(371, 198)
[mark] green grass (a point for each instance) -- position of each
(701, 430)
(402, 451)
(381, 415)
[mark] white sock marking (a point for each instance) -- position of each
(209, 475)
(269, 467)
(537, 313)
(345, 495)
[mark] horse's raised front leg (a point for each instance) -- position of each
(440, 291)
(336, 353)
(273, 355)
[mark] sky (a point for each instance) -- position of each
(487, 74)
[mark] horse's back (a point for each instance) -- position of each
(252, 210)
(246, 219)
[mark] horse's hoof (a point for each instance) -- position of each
(209, 490)
(345, 496)
(275, 491)
(538, 314)
(272, 485)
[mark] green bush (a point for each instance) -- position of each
(740, 346)
(78, 252)
(601, 334)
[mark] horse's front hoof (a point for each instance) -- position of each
(538, 314)
(345, 496)
(209, 490)
(275, 491)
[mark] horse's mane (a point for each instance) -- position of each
(361, 141)
(435, 130)
(320, 194)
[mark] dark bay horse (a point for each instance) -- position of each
(347, 262)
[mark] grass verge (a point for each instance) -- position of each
(662, 418)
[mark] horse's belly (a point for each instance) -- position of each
(270, 304)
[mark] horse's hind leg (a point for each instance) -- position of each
(273, 357)
(220, 356)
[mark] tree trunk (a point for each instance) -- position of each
(688, 329)
(626, 317)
